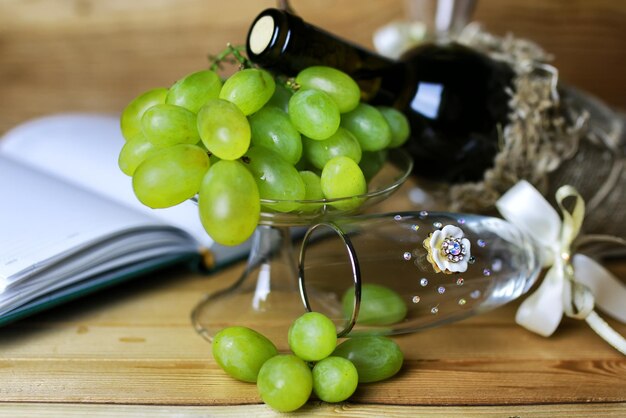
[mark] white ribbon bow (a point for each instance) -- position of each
(572, 285)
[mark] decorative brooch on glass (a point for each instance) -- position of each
(448, 250)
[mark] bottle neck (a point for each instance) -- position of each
(282, 42)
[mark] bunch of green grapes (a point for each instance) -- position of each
(236, 142)
(318, 365)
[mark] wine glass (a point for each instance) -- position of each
(400, 272)
(266, 295)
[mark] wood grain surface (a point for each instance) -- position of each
(132, 352)
(134, 344)
(90, 55)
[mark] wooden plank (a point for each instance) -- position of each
(96, 56)
(440, 382)
(312, 409)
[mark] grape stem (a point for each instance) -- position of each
(232, 55)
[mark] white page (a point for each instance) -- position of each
(83, 149)
(43, 219)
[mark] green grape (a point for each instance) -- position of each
(337, 84)
(334, 379)
(341, 143)
(375, 358)
(369, 126)
(275, 178)
(193, 91)
(399, 125)
(170, 176)
(249, 89)
(130, 120)
(312, 336)
(379, 305)
(272, 129)
(224, 130)
(342, 177)
(314, 114)
(228, 203)
(165, 125)
(285, 382)
(241, 352)
(312, 185)
(371, 162)
(280, 98)
(134, 152)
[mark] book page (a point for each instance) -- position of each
(42, 220)
(82, 149)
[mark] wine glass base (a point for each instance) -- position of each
(266, 296)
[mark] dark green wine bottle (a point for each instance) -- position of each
(455, 97)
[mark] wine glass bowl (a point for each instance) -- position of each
(266, 296)
(388, 179)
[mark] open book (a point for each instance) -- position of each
(70, 223)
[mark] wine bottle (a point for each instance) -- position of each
(455, 97)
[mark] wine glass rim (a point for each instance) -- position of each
(406, 171)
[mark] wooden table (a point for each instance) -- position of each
(132, 352)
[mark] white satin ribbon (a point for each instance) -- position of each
(572, 285)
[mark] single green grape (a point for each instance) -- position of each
(372, 162)
(165, 125)
(337, 84)
(312, 336)
(249, 89)
(275, 178)
(130, 121)
(314, 114)
(375, 358)
(285, 382)
(134, 152)
(369, 126)
(170, 176)
(224, 130)
(272, 129)
(280, 98)
(379, 305)
(342, 177)
(228, 203)
(341, 143)
(241, 352)
(334, 379)
(312, 185)
(193, 90)
(399, 125)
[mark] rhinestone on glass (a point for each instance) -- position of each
(486, 272)
(461, 221)
(415, 227)
(398, 217)
(423, 214)
(496, 265)
(441, 290)
(424, 281)
(475, 294)
(481, 243)
(460, 281)
(453, 249)
(438, 225)
(462, 301)
(407, 256)
(434, 310)
(472, 260)
(416, 299)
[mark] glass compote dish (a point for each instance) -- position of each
(266, 296)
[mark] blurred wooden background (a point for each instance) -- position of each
(95, 55)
